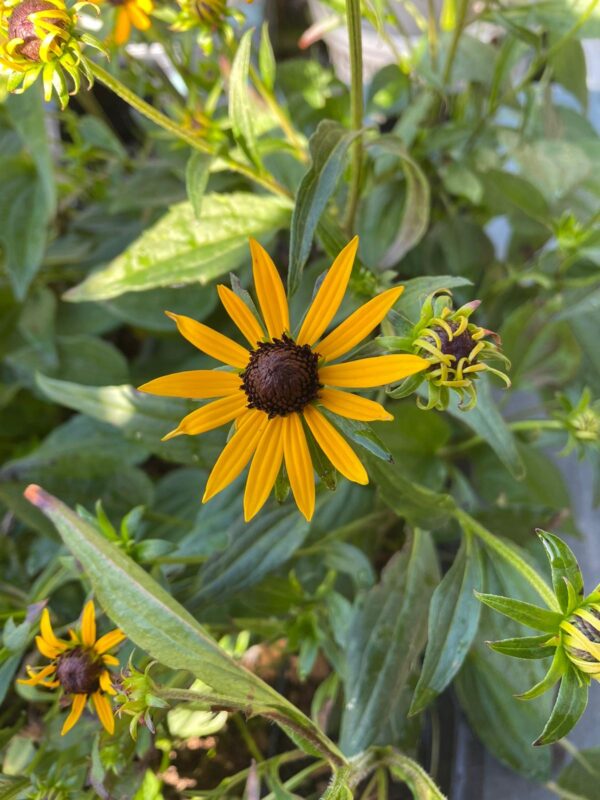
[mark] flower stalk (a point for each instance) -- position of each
(354, 22)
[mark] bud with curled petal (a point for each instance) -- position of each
(581, 638)
(38, 38)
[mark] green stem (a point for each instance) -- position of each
(516, 427)
(508, 554)
(460, 24)
(190, 138)
(356, 107)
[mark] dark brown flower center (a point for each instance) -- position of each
(281, 377)
(459, 346)
(78, 672)
(21, 27)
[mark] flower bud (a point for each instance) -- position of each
(137, 697)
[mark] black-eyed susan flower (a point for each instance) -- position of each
(79, 666)
(276, 386)
(456, 349)
(569, 632)
(130, 14)
(38, 38)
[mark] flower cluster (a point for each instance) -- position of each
(570, 633)
(273, 389)
(456, 349)
(38, 38)
(78, 666)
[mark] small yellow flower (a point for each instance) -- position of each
(278, 382)
(581, 639)
(79, 666)
(38, 38)
(130, 13)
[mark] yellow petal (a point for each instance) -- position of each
(236, 453)
(88, 624)
(76, 711)
(270, 291)
(358, 325)
(108, 641)
(329, 296)
(46, 649)
(137, 17)
(37, 677)
(298, 464)
(335, 447)
(210, 416)
(109, 660)
(264, 468)
(368, 372)
(352, 406)
(197, 383)
(106, 683)
(104, 711)
(211, 342)
(47, 632)
(145, 5)
(241, 315)
(122, 27)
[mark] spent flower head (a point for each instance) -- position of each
(457, 352)
(570, 633)
(276, 388)
(39, 38)
(78, 666)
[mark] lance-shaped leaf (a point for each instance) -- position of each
(526, 613)
(241, 110)
(453, 620)
(565, 570)
(570, 704)
(557, 669)
(328, 147)
(529, 647)
(158, 624)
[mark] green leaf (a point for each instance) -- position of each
(12, 787)
(253, 551)
(564, 568)
(418, 504)
(197, 174)
(385, 638)
(453, 623)
(486, 421)
(580, 778)
(363, 434)
(530, 647)
(509, 193)
(181, 249)
(25, 213)
(556, 670)
(338, 789)
(414, 776)
(328, 147)
(526, 613)
(155, 622)
(240, 105)
(571, 702)
(266, 58)
(142, 418)
(415, 218)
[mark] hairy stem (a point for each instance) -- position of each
(356, 108)
(187, 136)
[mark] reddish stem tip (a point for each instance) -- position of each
(37, 496)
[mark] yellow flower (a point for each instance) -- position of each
(128, 13)
(37, 37)
(79, 666)
(279, 381)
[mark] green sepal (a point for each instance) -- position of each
(571, 702)
(558, 667)
(540, 619)
(529, 647)
(564, 566)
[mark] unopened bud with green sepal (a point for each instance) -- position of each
(570, 633)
